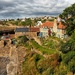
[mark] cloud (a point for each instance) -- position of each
(28, 8)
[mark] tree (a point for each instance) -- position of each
(68, 18)
(69, 53)
(23, 23)
(69, 45)
(16, 23)
(71, 65)
(28, 22)
(69, 60)
(22, 39)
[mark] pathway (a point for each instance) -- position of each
(37, 40)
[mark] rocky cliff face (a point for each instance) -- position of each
(11, 59)
(3, 63)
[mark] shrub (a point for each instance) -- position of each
(69, 60)
(23, 39)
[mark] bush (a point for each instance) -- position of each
(66, 47)
(71, 65)
(62, 73)
(49, 71)
(23, 39)
(37, 58)
(41, 48)
(69, 45)
(69, 60)
(53, 34)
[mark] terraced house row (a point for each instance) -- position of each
(45, 29)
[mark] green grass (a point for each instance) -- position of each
(52, 43)
(28, 46)
(42, 49)
(49, 45)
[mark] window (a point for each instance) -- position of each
(58, 30)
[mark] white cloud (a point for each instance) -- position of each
(43, 2)
(27, 8)
(71, 1)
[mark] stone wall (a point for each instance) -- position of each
(30, 34)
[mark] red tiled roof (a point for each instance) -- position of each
(35, 29)
(48, 24)
(61, 26)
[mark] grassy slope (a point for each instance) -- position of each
(49, 45)
(43, 49)
(36, 64)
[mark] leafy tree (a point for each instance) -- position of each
(69, 60)
(28, 22)
(69, 50)
(3, 22)
(68, 57)
(49, 71)
(16, 23)
(62, 72)
(23, 23)
(44, 20)
(38, 19)
(22, 39)
(66, 47)
(71, 65)
(69, 45)
(68, 17)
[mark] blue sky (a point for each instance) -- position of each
(32, 8)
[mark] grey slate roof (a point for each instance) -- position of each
(22, 30)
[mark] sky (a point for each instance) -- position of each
(32, 8)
